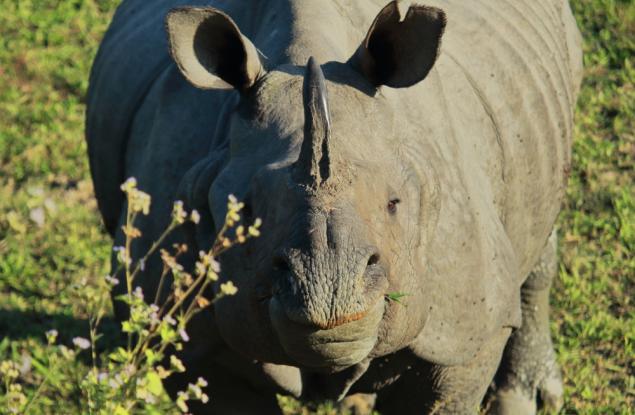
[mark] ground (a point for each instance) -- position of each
(53, 246)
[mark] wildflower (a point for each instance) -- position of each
(201, 382)
(142, 264)
(195, 216)
(211, 275)
(200, 268)
(130, 231)
(67, 353)
(214, 265)
(154, 315)
(254, 230)
(176, 364)
(170, 262)
(129, 370)
(168, 319)
(162, 372)
(115, 382)
(111, 280)
(228, 288)
(129, 185)
(15, 399)
(139, 201)
(240, 234)
(233, 207)
(122, 255)
(81, 342)
(9, 369)
(138, 293)
(51, 336)
(178, 212)
(202, 302)
(196, 390)
(26, 363)
(184, 335)
(180, 401)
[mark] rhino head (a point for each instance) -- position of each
(348, 209)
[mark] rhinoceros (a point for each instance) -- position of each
(409, 148)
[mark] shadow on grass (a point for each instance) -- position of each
(20, 325)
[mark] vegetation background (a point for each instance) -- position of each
(53, 248)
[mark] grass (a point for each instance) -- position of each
(52, 245)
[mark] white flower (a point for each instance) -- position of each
(81, 342)
(129, 184)
(228, 288)
(111, 280)
(214, 265)
(178, 212)
(195, 216)
(51, 336)
(138, 292)
(176, 364)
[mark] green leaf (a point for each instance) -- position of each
(120, 355)
(154, 384)
(396, 297)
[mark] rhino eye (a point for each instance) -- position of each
(392, 206)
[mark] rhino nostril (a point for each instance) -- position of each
(280, 263)
(373, 260)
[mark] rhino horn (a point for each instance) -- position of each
(313, 165)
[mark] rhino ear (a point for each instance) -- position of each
(402, 44)
(210, 51)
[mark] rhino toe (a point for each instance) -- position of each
(552, 391)
(517, 396)
(512, 401)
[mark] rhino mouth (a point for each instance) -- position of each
(329, 349)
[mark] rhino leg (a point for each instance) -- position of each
(434, 389)
(529, 370)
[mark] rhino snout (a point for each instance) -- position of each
(332, 349)
(327, 305)
(328, 295)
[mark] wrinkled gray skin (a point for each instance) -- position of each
(431, 169)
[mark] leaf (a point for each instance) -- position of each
(396, 297)
(120, 410)
(15, 222)
(120, 355)
(154, 384)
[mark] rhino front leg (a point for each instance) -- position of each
(434, 389)
(529, 370)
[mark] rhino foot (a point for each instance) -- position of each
(519, 399)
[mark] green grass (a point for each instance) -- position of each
(52, 245)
